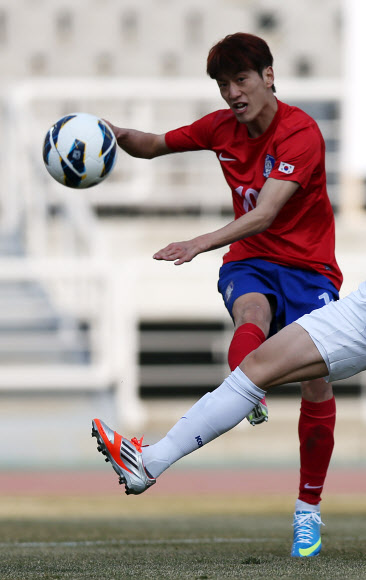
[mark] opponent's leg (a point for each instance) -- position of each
(214, 414)
(211, 416)
(287, 357)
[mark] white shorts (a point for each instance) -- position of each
(339, 332)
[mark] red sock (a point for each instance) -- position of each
(316, 434)
(246, 338)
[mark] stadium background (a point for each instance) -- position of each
(89, 324)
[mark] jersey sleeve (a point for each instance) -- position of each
(192, 137)
(298, 155)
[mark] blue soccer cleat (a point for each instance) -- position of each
(307, 540)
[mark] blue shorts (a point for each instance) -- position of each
(294, 291)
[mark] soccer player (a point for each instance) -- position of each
(330, 342)
(281, 262)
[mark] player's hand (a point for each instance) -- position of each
(116, 130)
(258, 415)
(179, 252)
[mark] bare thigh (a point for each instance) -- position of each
(289, 356)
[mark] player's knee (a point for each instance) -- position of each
(252, 363)
(253, 314)
(316, 390)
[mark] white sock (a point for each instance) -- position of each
(303, 506)
(214, 414)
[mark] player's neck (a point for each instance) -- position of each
(262, 121)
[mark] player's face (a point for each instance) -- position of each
(248, 94)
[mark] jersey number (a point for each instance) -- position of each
(249, 198)
(325, 297)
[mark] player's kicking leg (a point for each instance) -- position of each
(125, 457)
(214, 414)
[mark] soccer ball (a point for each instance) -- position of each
(79, 150)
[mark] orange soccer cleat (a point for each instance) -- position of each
(125, 457)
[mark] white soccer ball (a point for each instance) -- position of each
(79, 150)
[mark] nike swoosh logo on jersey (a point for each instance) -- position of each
(222, 158)
(308, 551)
(308, 486)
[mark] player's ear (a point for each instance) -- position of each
(268, 76)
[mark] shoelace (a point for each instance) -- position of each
(137, 443)
(304, 523)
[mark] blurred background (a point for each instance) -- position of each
(90, 324)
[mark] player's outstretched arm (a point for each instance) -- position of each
(247, 225)
(139, 143)
(273, 196)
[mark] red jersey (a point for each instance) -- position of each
(292, 149)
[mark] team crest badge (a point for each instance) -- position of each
(268, 165)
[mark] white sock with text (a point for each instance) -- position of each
(214, 414)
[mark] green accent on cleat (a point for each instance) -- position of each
(307, 541)
(258, 415)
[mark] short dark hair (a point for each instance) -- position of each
(237, 53)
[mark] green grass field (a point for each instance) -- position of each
(177, 538)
